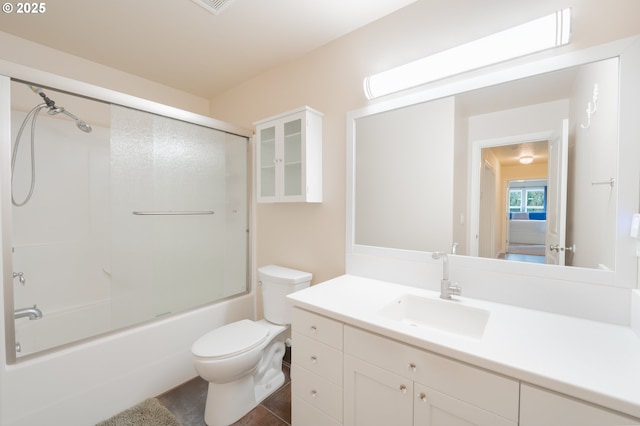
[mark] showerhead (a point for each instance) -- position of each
(79, 123)
(55, 110)
(83, 126)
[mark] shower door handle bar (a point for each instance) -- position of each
(173, 213)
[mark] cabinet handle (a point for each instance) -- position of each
(313, 329)
(403, 389)
(314, 359)
(422, 396)
(313, 393)
(412, 367)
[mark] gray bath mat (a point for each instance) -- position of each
(148, 413)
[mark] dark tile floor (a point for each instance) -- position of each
(187, 401)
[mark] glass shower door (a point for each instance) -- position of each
(178, 216)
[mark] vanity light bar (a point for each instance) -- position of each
(544, 33)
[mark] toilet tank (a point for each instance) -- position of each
(277, 282)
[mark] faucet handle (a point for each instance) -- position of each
(20, 277)
(438, 254)
(455, 289)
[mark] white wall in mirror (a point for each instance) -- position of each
(391, 174)
(598, 294)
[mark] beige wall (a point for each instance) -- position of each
(23, 52)
(311, 237)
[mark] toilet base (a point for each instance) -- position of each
(229, 402)
(224, 406)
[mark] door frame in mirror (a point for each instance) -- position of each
(358, 257)
(474, 179)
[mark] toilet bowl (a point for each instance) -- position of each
(242, 361)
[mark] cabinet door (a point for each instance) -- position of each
(293, 155)
(267, 162)
(289, 157)
(432, 408)
(375, 397)
(542, 407)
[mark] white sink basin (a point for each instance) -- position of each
(443, 315)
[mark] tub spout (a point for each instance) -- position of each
(33, 313)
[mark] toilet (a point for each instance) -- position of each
(242, 361)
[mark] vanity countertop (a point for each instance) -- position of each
(590, 360)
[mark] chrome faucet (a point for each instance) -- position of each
(446, 288)
(454, 248)
(33, 313)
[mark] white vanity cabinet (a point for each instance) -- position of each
(289, 157)
(543, 407)
(388, 382)
(316, 370)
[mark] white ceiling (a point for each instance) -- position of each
(180, 44)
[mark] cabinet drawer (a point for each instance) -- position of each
(317, 327)
(489, 391)
(317, 391)
(305, 414)
(320, 359)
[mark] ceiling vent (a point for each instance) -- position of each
(214, 6)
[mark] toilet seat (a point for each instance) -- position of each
(230, 340)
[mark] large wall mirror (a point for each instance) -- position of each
(526, 163)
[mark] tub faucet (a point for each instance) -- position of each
(33, 313)
(446, 288)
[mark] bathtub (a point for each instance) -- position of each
(62, 326)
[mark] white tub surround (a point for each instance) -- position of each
(593, 361)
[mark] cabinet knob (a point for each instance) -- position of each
(422, 396)
(313, 329)
(314, 359)
(412, 367)
(313, 393)
(403, 389)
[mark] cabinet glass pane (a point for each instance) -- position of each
(267, 162)
(293, 179)
(293, 157)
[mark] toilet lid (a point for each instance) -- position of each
(230, 339)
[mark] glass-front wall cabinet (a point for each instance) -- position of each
(289, 152)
